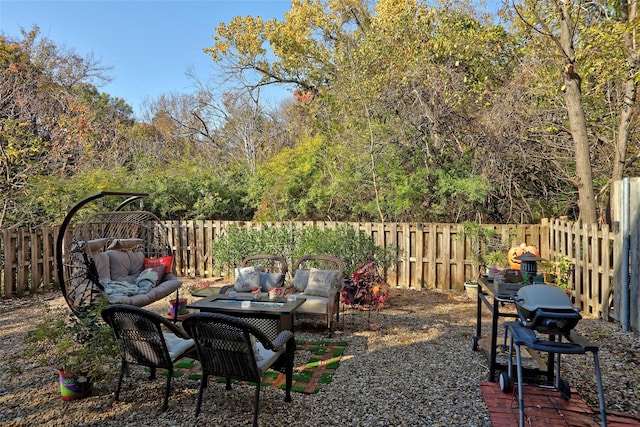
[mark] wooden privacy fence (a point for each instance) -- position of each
(431, 255)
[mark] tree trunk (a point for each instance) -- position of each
(577, 121)
(627, 12)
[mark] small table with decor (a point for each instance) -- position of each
(269, 315)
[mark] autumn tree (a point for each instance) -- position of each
(597, 62)
(393, 91)
(53, 123)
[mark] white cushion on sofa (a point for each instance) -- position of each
(320, 282)
(247, 278)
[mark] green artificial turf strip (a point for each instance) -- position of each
(326, 378)
(318, 351)
(337, 352)
(303, 377)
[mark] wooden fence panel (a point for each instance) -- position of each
(431, 256)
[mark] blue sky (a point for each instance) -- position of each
(149, 43)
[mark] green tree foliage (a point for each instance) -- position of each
(401, 111)
(186, 189)
(53, 122)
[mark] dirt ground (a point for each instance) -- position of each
(412, 363)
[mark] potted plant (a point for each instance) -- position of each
(82, 348)
(557, 271)
(495, 262)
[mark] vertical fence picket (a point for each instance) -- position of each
(35, 261)
(9, 259)
(22, 270)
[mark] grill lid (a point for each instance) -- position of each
(546, 309)
(550, 298)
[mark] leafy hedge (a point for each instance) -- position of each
(292, 243)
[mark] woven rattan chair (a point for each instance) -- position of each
(274, 269)
(232, 348)
(147, 339)
(325, 305)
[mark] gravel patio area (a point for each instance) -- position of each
(409, 365)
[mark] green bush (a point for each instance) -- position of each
(293, 243)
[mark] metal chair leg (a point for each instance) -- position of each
(603, 411)
(256, 405)
(203, 384)
(167, 391)
(123, 368)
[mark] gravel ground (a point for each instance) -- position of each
(409, 365)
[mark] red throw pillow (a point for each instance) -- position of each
(157, 262)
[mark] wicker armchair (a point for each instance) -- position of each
(273, 271)
(320, 288)
(232, 348)
(144, 341)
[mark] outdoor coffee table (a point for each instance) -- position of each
(269, 315)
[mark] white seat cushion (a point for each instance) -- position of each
(267, 357)
(314, 304)
(177, 346)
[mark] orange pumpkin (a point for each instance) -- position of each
(516, 251)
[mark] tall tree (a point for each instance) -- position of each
(53, 122)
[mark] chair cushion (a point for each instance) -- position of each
(94, 245)
(313, 304)
(167, 261)
(119, 266)
(267, 357)
(125, 266)
(177, 346)
(247, 278)
(270, 280)
(300, 280)
(124, 244)
(320, 282)
(165, 288)
(101, 260)
(137, 263)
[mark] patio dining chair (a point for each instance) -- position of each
(147, 339)
(230, 347)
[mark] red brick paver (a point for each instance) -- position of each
(544, 407)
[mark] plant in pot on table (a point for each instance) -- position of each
(82, 348)
(496, 263)
(477, 236)
(557, 271)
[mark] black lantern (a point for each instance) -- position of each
(528, 266)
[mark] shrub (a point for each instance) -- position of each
(292, 243)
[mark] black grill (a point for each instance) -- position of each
(546, 309)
